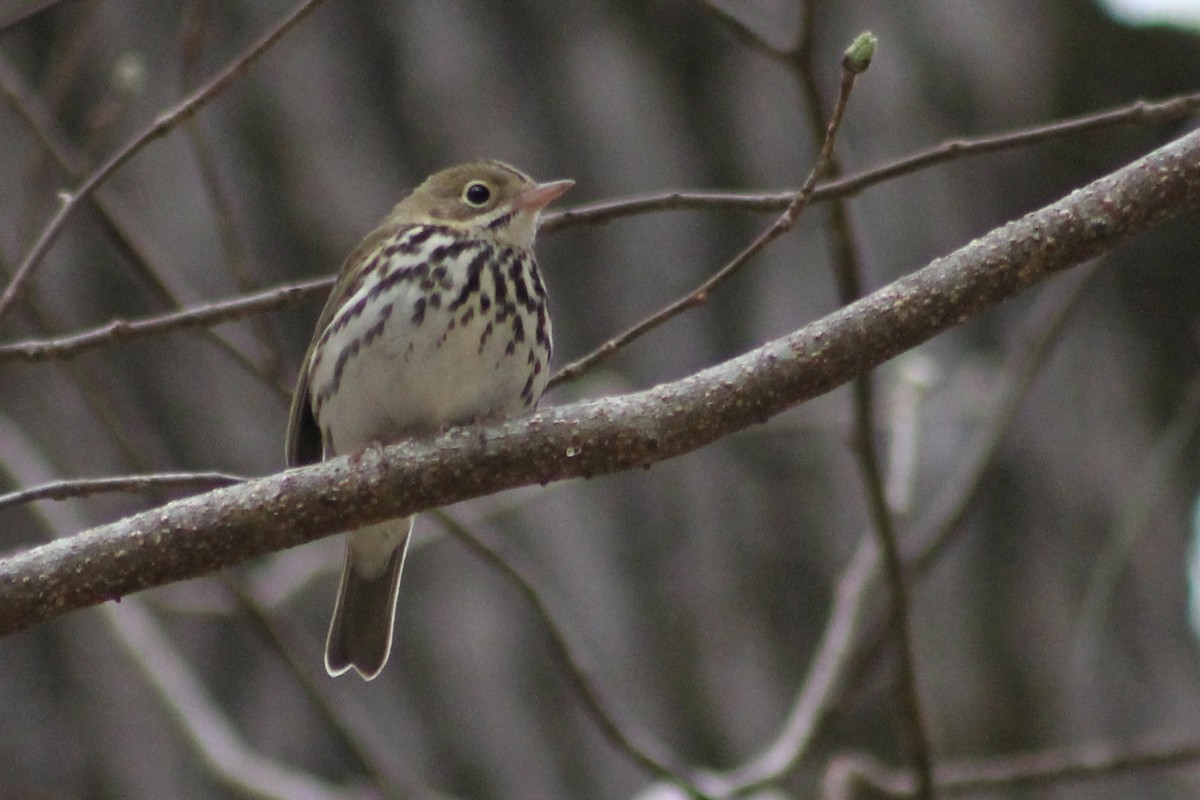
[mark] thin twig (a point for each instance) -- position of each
(908, 687)
(933, 534)
(114, 223)
(1101, 759)
(632, 742)
(1138, 113)
(848, 273)
(85, 378)
(84, 487)
(937, 530)
(741, 31)
(212, 531)
(200, 316)
(844, 641)
(346, 721)
(698, 296)
(161, 126)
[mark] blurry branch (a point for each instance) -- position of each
(633, 742)
(752, 38)
(87, 382)
(845, 775)
(157, 660)
(943, 521)
(42, 125)
(233, 237)
(345, 720)
(848, 274)
(1139, 113)
(1140, 496)
(114, 223)
(198, 316)
(199, 718)
(197, 535)
(916, 375)
(847, 640)
(1068, 764)
(119, 331)
(698, 296)
(14, 11)
(1043, 330)
(63, 490)
(821, 686)
(163, 125)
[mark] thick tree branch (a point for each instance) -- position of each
(200, 534)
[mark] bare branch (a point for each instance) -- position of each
(1139, 113)
(1095, 760)
(119, 331)
(345, 719)
(848, 273)
(934, 532)
(163, 125)
(1146, 488)
(699, 295)
(199, 316)
(200, 720)
(200, 534)
(844, 641)
(233, 238)
(114, 222)
(740, 30)
(634, 743)
(63, 490)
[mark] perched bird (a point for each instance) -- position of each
(437, 318)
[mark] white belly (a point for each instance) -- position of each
(410, 377)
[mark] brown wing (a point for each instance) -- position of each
(304, 445)
(304, 437)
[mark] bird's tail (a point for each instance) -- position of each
(360, 634)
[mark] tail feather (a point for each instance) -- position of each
(360, 634)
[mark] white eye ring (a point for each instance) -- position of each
(477, 194)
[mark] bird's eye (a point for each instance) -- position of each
(477, 194)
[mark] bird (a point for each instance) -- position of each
(437, 318)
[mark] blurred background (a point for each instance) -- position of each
(695, 592)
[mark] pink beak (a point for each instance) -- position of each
(540, 195)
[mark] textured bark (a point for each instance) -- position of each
(207, 532)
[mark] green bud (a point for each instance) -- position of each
(859, 54)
